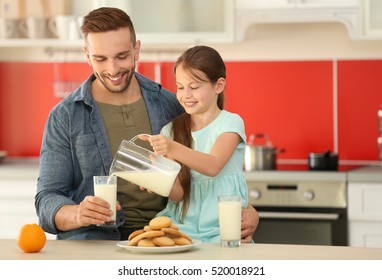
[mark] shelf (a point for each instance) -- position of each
(28, 43)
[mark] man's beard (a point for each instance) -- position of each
(125, 84)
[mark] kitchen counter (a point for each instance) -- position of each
(359, 174)
(28, 168)
(108, 250)
(19, 168)
(366, 174)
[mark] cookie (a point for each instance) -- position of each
(147, 242)
(159, 232)
(172, 232)
(163, 241)
(186, 236)
(160, 222)
(135, 233)
(146, 234)
(182, 241)
(147, 228)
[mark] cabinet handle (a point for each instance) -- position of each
(297, 216)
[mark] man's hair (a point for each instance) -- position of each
(107, 19)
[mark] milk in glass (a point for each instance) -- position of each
(230, 220)
(105, 187)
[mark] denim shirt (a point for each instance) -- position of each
(75, 148)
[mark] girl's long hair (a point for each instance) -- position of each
(208, 61)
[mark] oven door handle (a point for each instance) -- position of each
(297, 215)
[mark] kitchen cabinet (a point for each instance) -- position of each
(365, 214)
(18, 180)
(291, 4)
(191, 22)
(347, 12)
(372, 19)
(16, 206)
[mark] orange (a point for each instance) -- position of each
(31, 238)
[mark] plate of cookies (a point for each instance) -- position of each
(159, 236)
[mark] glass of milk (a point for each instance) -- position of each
(105, 187)
(230, 220)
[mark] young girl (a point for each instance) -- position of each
(207, 141)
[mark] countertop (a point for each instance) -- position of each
(19, 168)
(358, 174)
(372, 174)
(108, 250)
(28, 168)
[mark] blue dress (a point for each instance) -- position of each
(202, 221)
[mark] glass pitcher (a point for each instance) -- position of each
(144, 168)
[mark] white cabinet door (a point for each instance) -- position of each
(365, 214)
(365, 234)
(17, 206)
(372, 19)
(365, 201)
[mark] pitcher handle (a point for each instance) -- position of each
(137, 136)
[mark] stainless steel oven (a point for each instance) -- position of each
(311, 210)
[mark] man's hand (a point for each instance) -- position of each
(91, 211)
(94, 210)
(249, 222)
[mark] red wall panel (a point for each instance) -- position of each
(146, 69)
(168, 77)
(359, 95)
(26, 97)
(291, 101)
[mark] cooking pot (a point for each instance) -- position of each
(260, 157)
(323, 161)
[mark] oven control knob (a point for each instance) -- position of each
(309, 195)
(255, 194)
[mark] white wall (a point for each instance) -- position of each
(302, 41)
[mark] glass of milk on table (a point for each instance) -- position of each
(105, 187)
(144, 168)
(230, 220)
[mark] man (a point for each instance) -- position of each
(84, 130)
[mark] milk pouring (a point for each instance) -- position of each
(144, 168)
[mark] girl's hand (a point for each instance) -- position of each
(161, 145)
